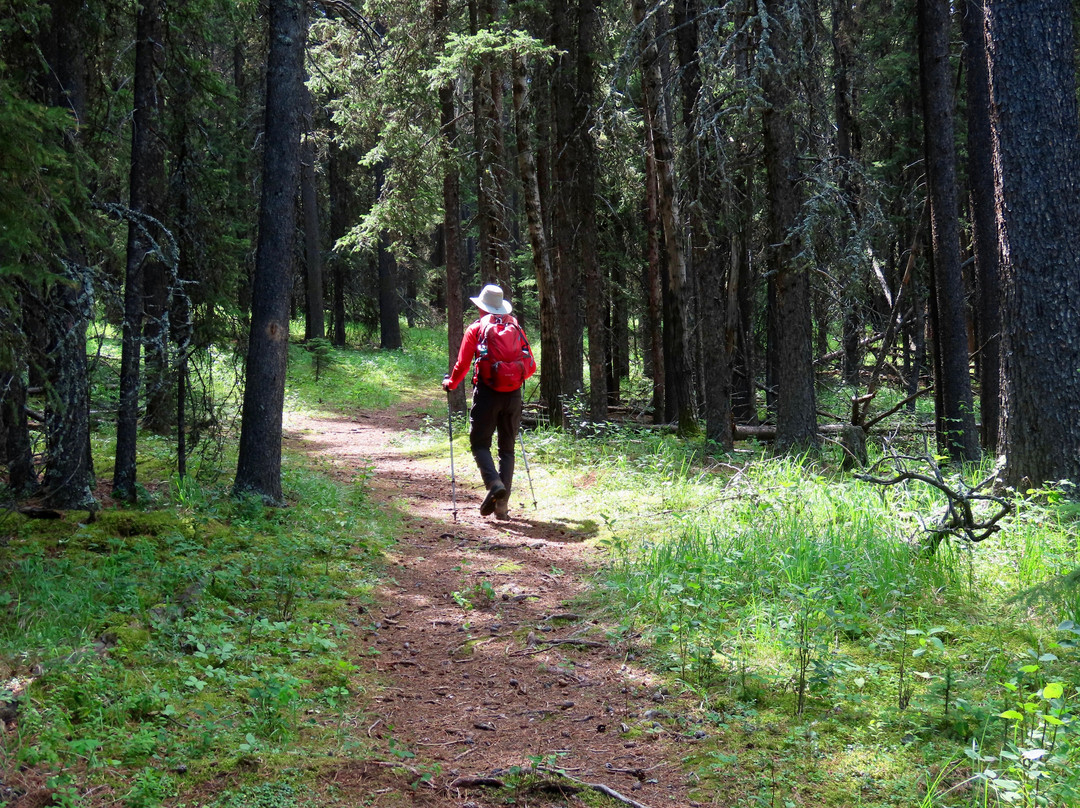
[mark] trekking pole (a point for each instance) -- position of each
(450, 428)
(528, 474)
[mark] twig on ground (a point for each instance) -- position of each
(477, 782)
(572, 641)
(603, 789)
(637, 772)
(547, 645)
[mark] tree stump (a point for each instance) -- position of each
(853, 440)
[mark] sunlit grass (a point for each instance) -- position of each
(369, 379)
(741, 579)
(720, 571)
(160, 646)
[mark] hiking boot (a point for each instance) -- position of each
(502, 508)
(495, 494)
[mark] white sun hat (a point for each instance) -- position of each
(491, 300)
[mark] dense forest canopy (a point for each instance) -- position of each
(705, 210)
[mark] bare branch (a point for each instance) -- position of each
(963, 517)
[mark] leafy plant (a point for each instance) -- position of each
(1037, 763)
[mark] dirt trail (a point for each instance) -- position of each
(521, 675)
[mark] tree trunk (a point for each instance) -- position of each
(451, 229)
(16, 450)
(69, 471)
(158, 273)
(619, 329)
(566, 263)
(847, 147)
(585, 197)
(707, 259)
(654, 293)
(146, 169)
(740, 343)
(491, 209)
(682, 370)
(158, 326)
(389, 321)
(314, 323)
(959, 438)
(1037, 157)
(796, 410)
(550, 376)
(340, 194)
(980, 169)
(258, 469)
(501, 211)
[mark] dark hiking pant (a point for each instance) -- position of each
(494, 412)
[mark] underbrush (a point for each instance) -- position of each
(195, 650)
(150, 651)
(838, 661)
(328, 380)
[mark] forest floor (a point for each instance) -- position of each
(488, 665)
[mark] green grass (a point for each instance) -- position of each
(169, 646)
(369, 379)
(197, 639)
(757, 583)
(198, 643)
(749, 579)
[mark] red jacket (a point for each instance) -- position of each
(469, 341)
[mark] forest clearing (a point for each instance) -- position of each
(677, 627)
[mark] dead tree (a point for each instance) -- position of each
(966, 515)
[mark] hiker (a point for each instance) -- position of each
(503, 361)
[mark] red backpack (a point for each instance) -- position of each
(504, 358)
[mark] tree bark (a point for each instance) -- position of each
(959, 438)
(1037, 157)
(501, 211)
(796, 410)
(550, 376)
(596, 300)
(451, 229)
(17, 453)
(566, 263)
(69, 471)
(707, 259)
(258, 468)
(389, 316)
(389, 309)
(340, 194)
(739, 338)
(654, 293)
(314, 321)
(847, 148)
(491, 208)
(160, 383)
(980, 169)
(619, 330)
(147, 166)
(681, 382)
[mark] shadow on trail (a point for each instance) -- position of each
(482, 665)
(557, 530)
